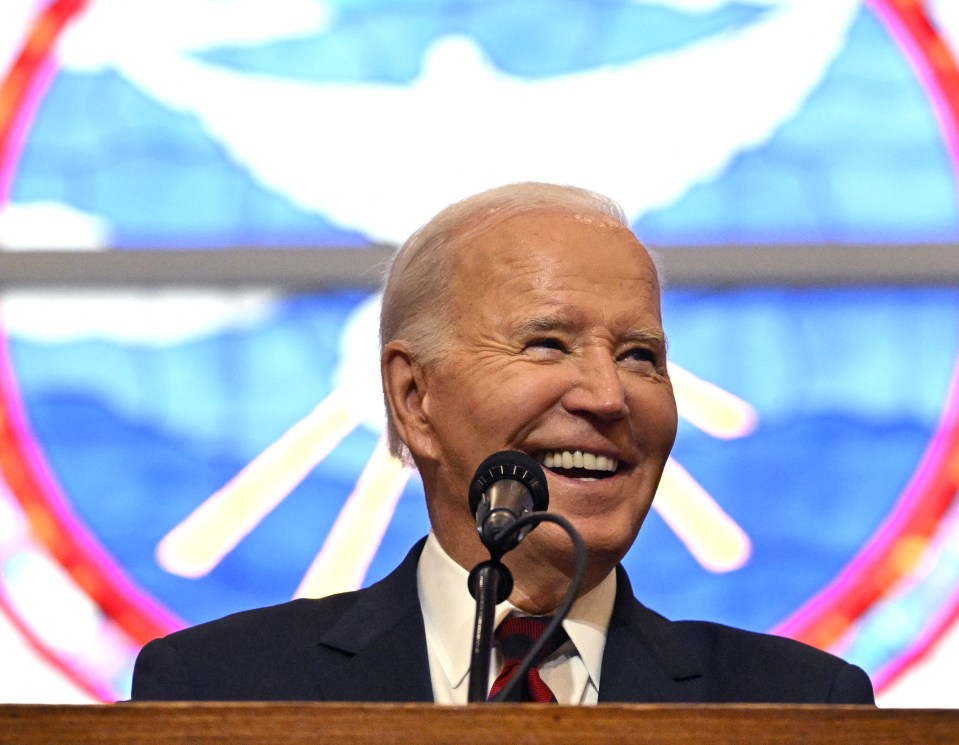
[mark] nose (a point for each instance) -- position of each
(597, 388)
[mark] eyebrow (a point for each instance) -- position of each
(646, 335)
(538, 324)
(561, 321)
(569, 319)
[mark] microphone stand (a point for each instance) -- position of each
(490, 583)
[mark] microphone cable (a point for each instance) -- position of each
(579, 570)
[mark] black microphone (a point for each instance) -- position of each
(507, 485)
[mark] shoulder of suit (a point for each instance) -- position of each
(306, 619)
(276, 623)
(722, 644)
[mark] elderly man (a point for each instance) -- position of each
(524, 318)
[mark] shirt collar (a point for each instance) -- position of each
(449, 611)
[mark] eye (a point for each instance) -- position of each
(547, 347)
(548, 343)
(640, 355)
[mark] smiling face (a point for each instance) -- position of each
(557, 350)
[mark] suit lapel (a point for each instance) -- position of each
(643, 660)
(376, 650)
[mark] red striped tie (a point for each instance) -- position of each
(516, 636)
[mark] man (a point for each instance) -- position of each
(524, 318)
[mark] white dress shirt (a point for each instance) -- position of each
(572, 672)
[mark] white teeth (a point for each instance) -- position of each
(578, 459)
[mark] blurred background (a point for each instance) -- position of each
(197, 199)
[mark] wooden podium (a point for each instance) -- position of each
(503, 724)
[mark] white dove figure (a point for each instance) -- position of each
(373, 156)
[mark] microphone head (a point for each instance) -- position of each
(512, 465)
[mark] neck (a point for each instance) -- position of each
(541, 570)
(541, 580)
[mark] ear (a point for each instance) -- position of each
(405, 390)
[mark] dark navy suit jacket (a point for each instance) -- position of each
(370, 645)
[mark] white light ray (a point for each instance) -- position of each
(710, 408)
(353, 541)
(710, 535)
(195, 546)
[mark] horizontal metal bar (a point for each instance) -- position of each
(296, 268)
(936, 264)
(309, 268)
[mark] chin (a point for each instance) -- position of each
(605, 548)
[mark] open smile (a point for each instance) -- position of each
(578, 464)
